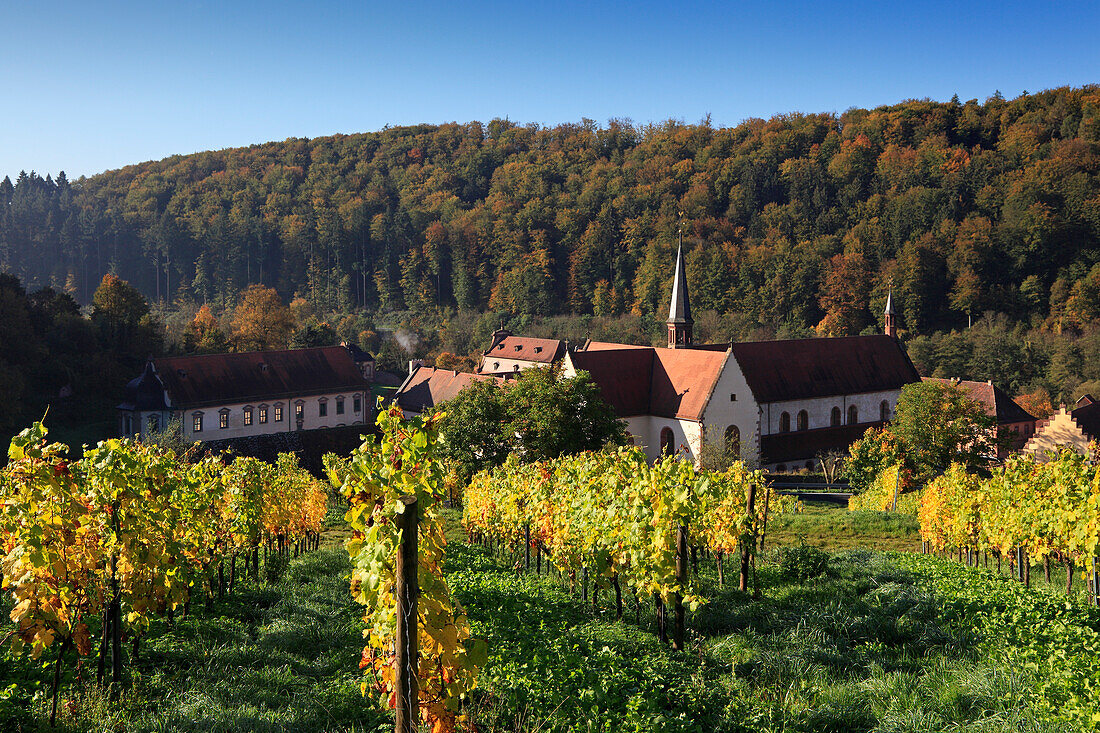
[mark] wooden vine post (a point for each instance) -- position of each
(1095, 582)
(681, 578)
(748, 547)
(405, 590)
(527, 547)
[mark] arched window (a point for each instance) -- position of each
(803, 420)
(835, 420)
(733, 441)
(785, 422)
(668, 446)
(884, 411)
(853, 414)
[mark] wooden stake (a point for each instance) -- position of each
(681, 578)
(406, 590)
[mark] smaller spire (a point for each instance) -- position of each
(679, 309)
(891, 325)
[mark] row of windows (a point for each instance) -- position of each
(853, 417)
(277, 413)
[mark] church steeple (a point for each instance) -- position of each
(891, 323)
(679, 310)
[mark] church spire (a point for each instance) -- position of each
(891, 323)
(679, 310)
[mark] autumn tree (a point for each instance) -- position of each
(121, 316)
(204, 336)
(261, 321)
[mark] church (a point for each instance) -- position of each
(776, 404)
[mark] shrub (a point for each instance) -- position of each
(803, 562)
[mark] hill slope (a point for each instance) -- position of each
(801, 219)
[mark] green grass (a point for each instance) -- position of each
(832, 527)
(275, 658)
(861, 649)
(880, 642)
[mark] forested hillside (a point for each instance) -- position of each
(802, 220)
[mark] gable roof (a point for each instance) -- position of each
(544, 351)
(429, 386)
(996, 401)
(218, 379)
(649, 381)
(623, 375)
(777, 371)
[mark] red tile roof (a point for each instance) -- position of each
(778, 371)
(429, 386)
(624, 377)
(996, 401)
(649, 381)
(218, 379)
(543, 351)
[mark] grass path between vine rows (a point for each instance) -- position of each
(865, 647)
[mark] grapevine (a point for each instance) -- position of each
(404, 463)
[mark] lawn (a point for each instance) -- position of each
(878, 642)
(832, 527)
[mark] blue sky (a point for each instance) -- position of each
(89, 86)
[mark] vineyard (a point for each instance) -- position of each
(547, 603)
(130, 532)
(614, 519)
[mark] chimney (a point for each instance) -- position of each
(415, 364)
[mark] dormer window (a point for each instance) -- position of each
(182, 373)
(519, 347)
(538, 349)
(263, 367)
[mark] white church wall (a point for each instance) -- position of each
(732, 403)
(646, 432)
(819, 410)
